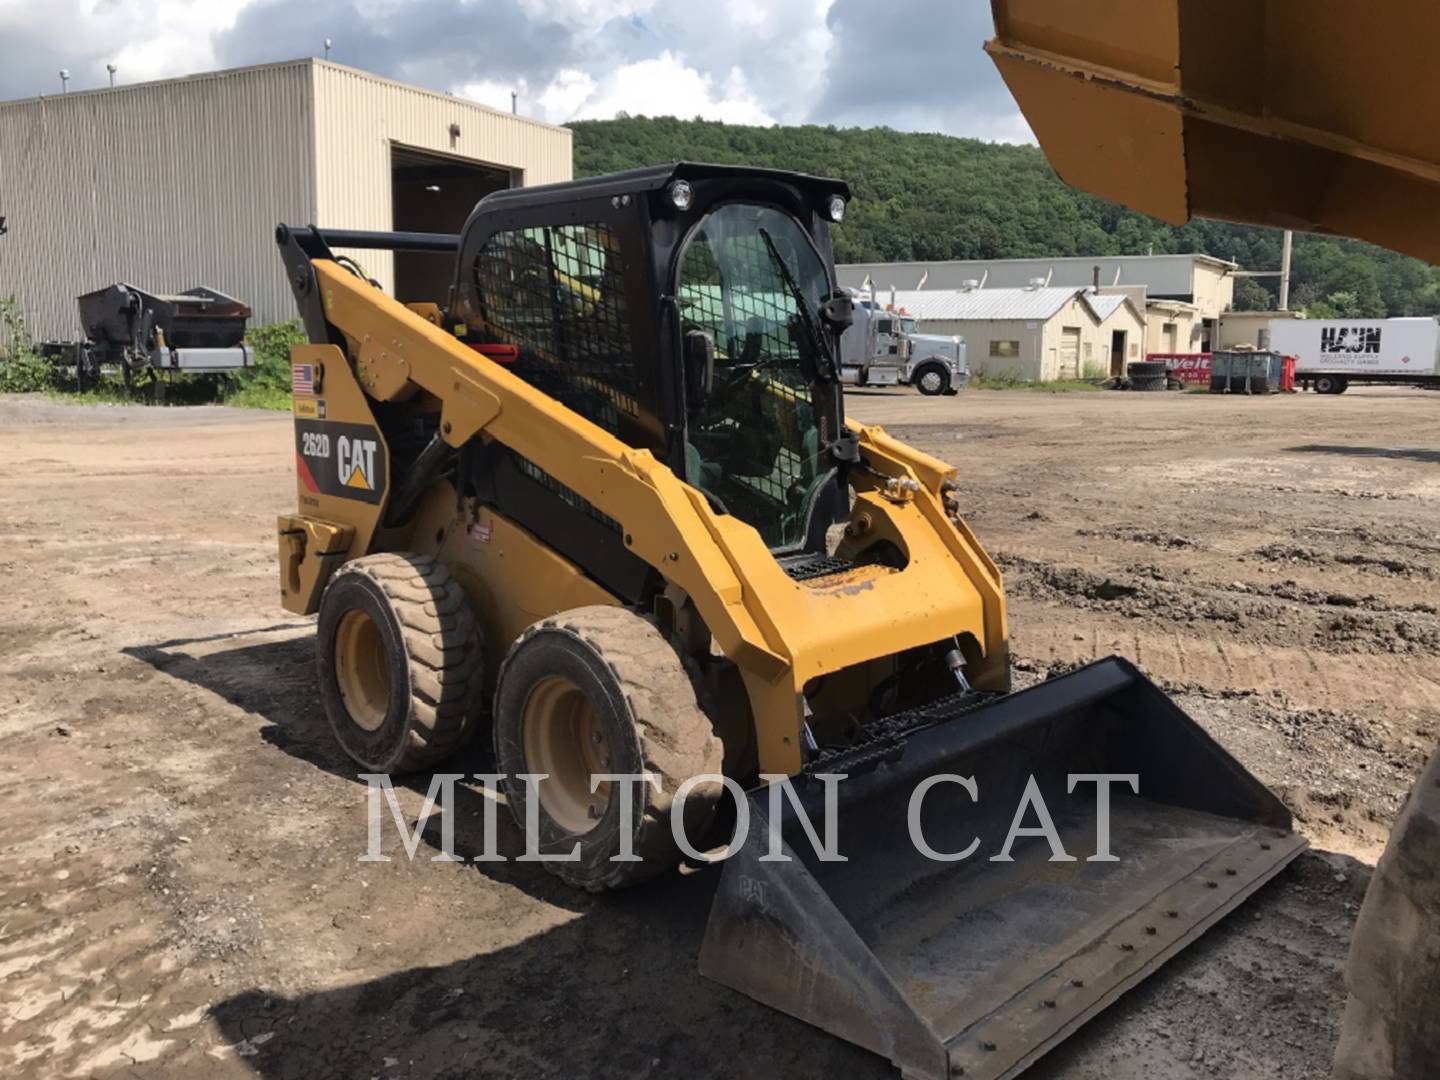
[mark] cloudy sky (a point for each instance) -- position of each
(909, 64)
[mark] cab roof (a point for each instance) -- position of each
(655, 177)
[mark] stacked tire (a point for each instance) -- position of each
(1148, 375)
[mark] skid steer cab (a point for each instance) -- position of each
(600, 505)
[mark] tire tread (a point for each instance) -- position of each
(442, 646)
(677, 740)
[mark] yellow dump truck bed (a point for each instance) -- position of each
(1315, 115)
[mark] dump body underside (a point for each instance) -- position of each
(1283, 112)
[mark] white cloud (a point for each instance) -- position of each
(916, 65)
(584, 14)
(666, 86)
(566, 95)
(145, 39)
(490, 92)
(663, 86)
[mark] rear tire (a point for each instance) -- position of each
(932, 380)
(399, 662)
(1331, 384)
(600, 690)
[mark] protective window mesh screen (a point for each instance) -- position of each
(558, 293)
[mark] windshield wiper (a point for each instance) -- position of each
(817, 340)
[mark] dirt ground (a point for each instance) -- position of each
(179, 890)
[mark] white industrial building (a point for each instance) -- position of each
(1035, 333)
(1181, 296)
(178, 183)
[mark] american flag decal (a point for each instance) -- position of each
(302, 378)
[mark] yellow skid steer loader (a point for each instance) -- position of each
(602, 503)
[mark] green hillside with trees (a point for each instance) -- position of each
(934, 197)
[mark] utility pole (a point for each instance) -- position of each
(514, 101)
(111, 68)
(328, 43)
(64, 80)
(1285, 254)
(1286, 251)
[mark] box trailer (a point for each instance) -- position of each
(1331, 354)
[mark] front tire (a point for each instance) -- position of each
(932, 380)
(399, 662)
(600, 690)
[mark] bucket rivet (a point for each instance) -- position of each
(1172, 914)
(1049, 1003)
(1126, 947)
(1229, 871)
(1212, 884)
(1264, 845)
(1150, 930)
(957, 1070)
(986, 1044)
(1077, 982)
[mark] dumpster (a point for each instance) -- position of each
(1246, 372)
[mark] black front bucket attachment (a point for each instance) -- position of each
(976, 967)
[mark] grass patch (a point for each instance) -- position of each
(267, 384)
(260, 397)
(264, 386)
(1057, 386)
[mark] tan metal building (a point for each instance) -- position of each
(1175, 327)
(1189, 293)
(1124, 332)
(181, 182)
(1036, 333)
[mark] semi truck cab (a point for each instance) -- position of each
(937, 363)
(882, 348)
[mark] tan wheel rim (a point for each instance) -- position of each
(362, 669)
(564, 739)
